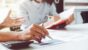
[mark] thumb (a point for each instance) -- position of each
(9, 13)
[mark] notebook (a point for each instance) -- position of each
(60, 24)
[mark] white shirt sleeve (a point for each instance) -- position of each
(53, 10)
(21, 11)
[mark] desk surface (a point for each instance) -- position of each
(69, 39)
(78, 27)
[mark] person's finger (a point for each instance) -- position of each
(8, 16)
(39, 31)
(20, 21)
(37, 39)
(36, 36)
(42, 29)
(35, 33)
(70, 19)
(45, 30)
(17, 22)
(9, 13)
(19, 18)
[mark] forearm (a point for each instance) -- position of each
(10, 36)
(2, 26)
(70, 19)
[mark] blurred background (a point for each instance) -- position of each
(80, 11)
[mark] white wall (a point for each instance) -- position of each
(78, 18)
(76, 0)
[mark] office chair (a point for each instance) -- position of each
(84, 15)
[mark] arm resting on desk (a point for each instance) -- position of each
(8, 36)
(13, 36)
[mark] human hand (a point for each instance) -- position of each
(70, 19)
(8, 22)
(54, 18)
(36, 33)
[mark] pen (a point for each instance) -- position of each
(47, 35)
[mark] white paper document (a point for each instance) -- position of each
(59, 38)
(46, 43)
(67, 13)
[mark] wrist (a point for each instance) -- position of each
(2, 25)
(23, 37)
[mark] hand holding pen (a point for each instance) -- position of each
(47, 32)
(37, 33)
